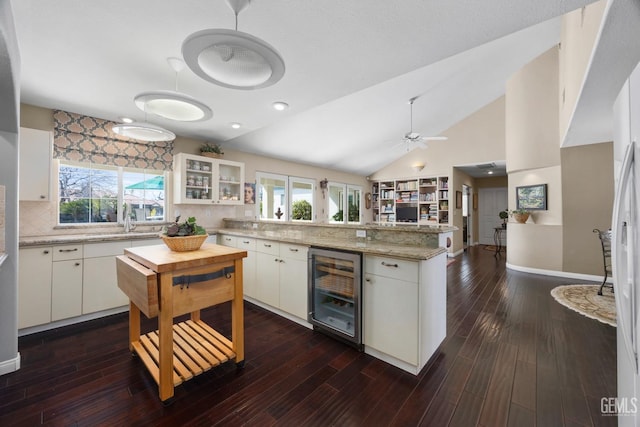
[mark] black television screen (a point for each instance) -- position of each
(406, 214)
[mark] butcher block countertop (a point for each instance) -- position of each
(160, 258)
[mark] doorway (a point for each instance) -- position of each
(490, 202)
(467, 222)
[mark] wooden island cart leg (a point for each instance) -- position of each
(134, 325)
(165, 332)
(237, 315)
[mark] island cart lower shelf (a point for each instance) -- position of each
(168, 284)
(196, 348)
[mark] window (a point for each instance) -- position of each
(341, 196)
(90, 193)
(284, 198)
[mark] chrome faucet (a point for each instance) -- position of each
(129, 223)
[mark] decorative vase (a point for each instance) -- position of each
(521, 218)
(212, 155)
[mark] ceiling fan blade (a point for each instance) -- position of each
(434, 138)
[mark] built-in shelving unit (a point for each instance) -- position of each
(411, 201)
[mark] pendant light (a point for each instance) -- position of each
(173, 105)
(143, 131)
(231, 58)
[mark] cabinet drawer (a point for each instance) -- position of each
(393, 268)
(95, 250)
(63, 253)
(246, 243)
(268, 247)
(293, 251)
(226, 240)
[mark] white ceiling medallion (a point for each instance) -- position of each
(143, 131)
(173, 105)
(231, 58)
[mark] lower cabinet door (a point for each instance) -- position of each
(66, 289)
(390, 311)
(267, 278)
(34, 288)
(249, 284)
(100, 285)
(293, 287)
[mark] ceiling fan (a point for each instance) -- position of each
(413, 139)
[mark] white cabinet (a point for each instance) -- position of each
(404, 309)
(66, 282)
(34, 288)
(267, 263)
(293, 275)
(35, 164)
(66, 289)
(248, 266)
(203, 180)
(100, 282)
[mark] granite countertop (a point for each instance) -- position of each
(356, 245)
(62, 239)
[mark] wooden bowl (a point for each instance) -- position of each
(184, 243)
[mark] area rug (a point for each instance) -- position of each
(585, 300)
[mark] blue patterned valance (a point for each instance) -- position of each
(87, 139)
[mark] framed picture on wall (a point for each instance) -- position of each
(249, 193)
(532, 197)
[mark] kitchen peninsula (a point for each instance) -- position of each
(403, 288)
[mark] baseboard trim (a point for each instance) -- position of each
(455, 254)
(11, 365)
(555, 273)
(71, 321)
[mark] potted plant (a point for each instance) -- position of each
(184, 236)
(520, 215)
(211, 150)
(504, 215)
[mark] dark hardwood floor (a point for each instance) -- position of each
(512, 357)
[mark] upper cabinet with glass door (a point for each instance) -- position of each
(203, 180)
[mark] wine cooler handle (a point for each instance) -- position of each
(389, 265)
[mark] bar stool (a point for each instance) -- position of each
(605, 240)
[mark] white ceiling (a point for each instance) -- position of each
(351, 67)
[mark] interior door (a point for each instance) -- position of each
(490, 202)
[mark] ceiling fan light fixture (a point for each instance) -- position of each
(233, 59)
(280, 105)
(173, 106)
(143, 131)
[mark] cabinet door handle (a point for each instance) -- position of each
(77, 264)
(45, 252)
(227, 239)
(267, 246)
(368, 280)
(281, 260)
(293, 249)
(43, 197)
(276, 260)
(389, 265)
(246, 242)
(68, 250)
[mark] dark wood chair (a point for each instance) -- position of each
(605, 241)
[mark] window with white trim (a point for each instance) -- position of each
(284, 198)
(344, 198)
(92, 193)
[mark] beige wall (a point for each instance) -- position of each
(578, 35)
(531, 125)
(588, 191)
(533, 157)
(40, 218)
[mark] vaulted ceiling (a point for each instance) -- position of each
(351, 67)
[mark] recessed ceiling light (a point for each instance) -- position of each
(280, 106)
(236, 125)
(126, 120)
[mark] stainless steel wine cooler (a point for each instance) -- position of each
(335, 293)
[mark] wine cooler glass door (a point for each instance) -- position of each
(334, 292)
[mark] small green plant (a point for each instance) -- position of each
(211, 148)
(520, 211)
(186, 228)
(301, 210)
